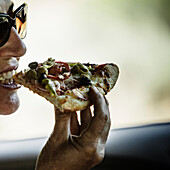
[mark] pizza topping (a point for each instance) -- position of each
(72, 82)
(33, 65)
(31, 74)
(79, 95)
(45, 81)
(57, 85)
(42, 70)
(66, 74)
(49, 63)
(59, 77)
(42, 77)
(80, 69)
(50, 86)
(59, 71)
(67, 85)
(85, 81)
(101, 66)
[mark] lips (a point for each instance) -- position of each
(9, 69)
(6, 80)
(10, 86)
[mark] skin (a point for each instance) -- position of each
(10, 54)
(70, 146)
(73, 146)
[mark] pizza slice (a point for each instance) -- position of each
(66, 85)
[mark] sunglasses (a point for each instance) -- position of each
(18, 20)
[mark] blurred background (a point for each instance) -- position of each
(134, 34)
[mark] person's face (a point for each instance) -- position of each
(9, 58)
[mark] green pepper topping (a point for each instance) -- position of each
(49, 85)
(45, 81)
(91, 68)
(31, 74)
(49, 63)
(80, 68)
(71, 64)
(50, 89)
(42, 70)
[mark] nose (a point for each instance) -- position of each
(14, 47)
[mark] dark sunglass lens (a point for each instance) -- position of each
(4, 30)
(21, 22)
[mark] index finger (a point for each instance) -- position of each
(100, 123)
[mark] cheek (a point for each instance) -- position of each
(9, 103)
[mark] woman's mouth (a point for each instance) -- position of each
(7, 81)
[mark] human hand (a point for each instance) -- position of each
(77, 147)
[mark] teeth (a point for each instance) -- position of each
(6, 78)
(7, 75)
(11, 81)
(4, 75)
(6, 81)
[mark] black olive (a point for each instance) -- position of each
(41, 77)
(85, 81)
(75, 69)
(33, 65)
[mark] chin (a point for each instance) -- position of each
(9, 104)
(10, 110)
